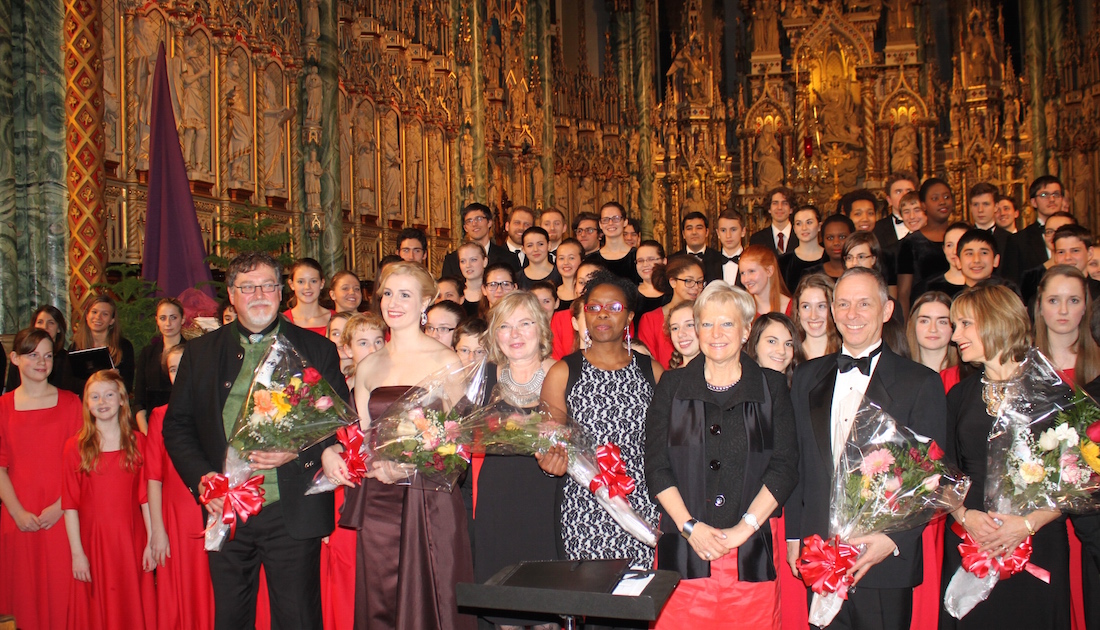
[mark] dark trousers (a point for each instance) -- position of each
(874, 609)
(292, 567)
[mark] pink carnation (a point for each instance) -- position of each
(323, 403)
(876, 462)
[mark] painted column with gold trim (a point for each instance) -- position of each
(84, 150)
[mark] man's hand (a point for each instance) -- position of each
(879, 547)
(266, 460)
(792, 557)
(214, 507)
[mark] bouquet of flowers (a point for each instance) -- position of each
(889, 479)
(1043, 455)
(503, 428)
(422, 432)
(289, 407)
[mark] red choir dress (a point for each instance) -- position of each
(651, 332)
(36, 567)
(112, 532)
(185, 597)
(338, 570)
(320, 330)
(1076, 566)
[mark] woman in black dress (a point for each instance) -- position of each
(650, 297)
(615, 255)
(152, 387)
(991, 329)
(809, 253)
(100, 328)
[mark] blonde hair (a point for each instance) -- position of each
(1087, 365)
(951, 359)
(428, 288)
(719, 293)
(87, 440)
(677, 358)
(1001, 319)
(359, 322)
(503, 310)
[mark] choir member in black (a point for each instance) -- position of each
(992, 329)
(920, 256)
(1029, 278)
(809, 253)
(695, 230)
(835, 230)
(152, 387)
(1047, 196)
(731, 233)
(100, 328)
(50, 319)
(1073, 246)
(651, 259)
(538, 268)
(952, 281)
(779, 234)
(477, 222)
(891, 228)
(616, 255)
(519, 220)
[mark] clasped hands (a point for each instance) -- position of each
(875, 549)
(337, 470)
(998, 534)
(711, 543)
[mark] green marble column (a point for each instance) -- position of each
(645, 100)
(33, 225)
(477, 100)
(1035, 46)
(327, 243)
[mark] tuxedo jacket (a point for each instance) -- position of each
(913, 395)
(497, 253)
(1031, 248)
(767, 239)
(712, 263)
(194, 433)
(886, 234)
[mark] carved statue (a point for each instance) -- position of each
(194, 106)
(275, 118)
(240, 123)
(561, 192)
(314, 97)
(769, 167)
(839, 117)
(466, 152)
(492, 62)
(414, 174)
(437, 179)
(586, 195)
(1081, 186)
(536, 185)
(111, 103)
(393, 188)
(465, 89)
(346, 119)
(366, 162)
(313, 181)
(146, 40)
(979, 54)
(765, 26)
(693, 201)
(904, 148)
(1050, 113)
(313, 19)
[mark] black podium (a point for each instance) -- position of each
(571, 589)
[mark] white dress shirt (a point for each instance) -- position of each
(729, 269)
(899, 226)
(518, 251)
(847, 395)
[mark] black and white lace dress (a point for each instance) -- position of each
(611, 406)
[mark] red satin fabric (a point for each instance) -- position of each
(612, 473)
(824, 565)
(241, 501)
(721, 602)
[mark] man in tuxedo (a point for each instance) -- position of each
(731, 229)
(586, 229)
(695, 230)
(1046, 196)
(778, 235)
(211, 387)
(553, 221)
(824, 404)
(519, 220)
(891, 229)
(477, 222)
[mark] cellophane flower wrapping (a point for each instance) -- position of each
(422, 433)
(290, 407)
(1043, 455)
(889, 479)
(504, 428)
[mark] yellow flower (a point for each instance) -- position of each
(1090, 452)
(1032, 472)
(511, 426)
(446, 449)
(296, 382)
(282, 407)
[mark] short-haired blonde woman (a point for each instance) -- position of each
(698, 466)
(992, 330)
(413, 546)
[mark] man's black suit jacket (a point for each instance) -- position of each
(913, 395)
(712, 262)
(1030, 247)
(497, 253)
(767, 239)
(194, 434)
(888, 241)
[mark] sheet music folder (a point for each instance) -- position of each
(84, 363)
(575, 588)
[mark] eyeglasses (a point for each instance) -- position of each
(615, 220)
(249, 289)
(690, 283)
(446, 330)
(474, 220)
(465, 352)
(588, 230)
(648, 261)
(1049, 195)
(500, 285)
(613, 307)
(859, 258)
(524, 327)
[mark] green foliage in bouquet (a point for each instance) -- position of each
(520, 432)
(893, 479)
(287, 416)
(430, 440)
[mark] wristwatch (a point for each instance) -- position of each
(750, 518)
(685, 531)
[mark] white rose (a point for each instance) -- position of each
(1048, 441)
(406, 429)
(1067, 434)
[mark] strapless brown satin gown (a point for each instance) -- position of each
(412, 550)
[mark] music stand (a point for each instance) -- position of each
(569, 589)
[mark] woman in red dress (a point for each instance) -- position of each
(307, 281)
(185, 598)
(683, 277)
(106, 514)
(35, 421)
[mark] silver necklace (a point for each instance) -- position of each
(523, 392)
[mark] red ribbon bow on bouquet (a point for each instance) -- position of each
(240, 502)
(612, 472)
(824, 565)
(981, 563)
(351, 437)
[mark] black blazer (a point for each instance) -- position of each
(497, 253)
(1031, 248)
(712, 263)
(909, 392)
(764, 237)
(886, 234)
(194, 434)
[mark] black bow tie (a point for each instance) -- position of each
(897, 220)
(731, 259)
(845, 363)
